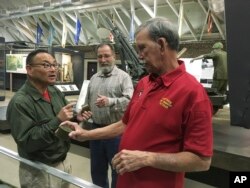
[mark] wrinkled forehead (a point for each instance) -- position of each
(142, 36)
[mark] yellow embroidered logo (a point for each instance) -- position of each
(166, 103)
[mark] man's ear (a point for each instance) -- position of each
(163, 43)
(28, 69)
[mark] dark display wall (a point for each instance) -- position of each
(78, 69)
(2, 68)
(238, 39)
(17, 81)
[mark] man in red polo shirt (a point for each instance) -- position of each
(167, 127)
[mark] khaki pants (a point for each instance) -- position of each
(34, 178)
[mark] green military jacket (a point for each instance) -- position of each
(33, 122)
(220, 63)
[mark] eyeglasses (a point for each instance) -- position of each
(47, 65)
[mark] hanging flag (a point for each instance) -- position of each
(78, 31)
(209, 23)
(39, 33)
(64, 34)
(51, 34)
(132, 29)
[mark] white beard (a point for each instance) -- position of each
(106, 69)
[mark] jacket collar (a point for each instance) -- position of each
(34, 93)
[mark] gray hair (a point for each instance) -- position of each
(105, 44)
(161, 27)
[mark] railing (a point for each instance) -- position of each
(6, 163)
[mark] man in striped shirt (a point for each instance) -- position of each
(109, 93)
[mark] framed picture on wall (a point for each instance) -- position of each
(16, 63)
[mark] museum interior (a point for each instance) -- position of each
(71, 29)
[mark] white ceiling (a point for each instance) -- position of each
(19, 18)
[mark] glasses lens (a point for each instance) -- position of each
(46, 65)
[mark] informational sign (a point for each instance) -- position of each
(67, 88)
(16, 63)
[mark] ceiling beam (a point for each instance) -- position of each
(147, 8)
(58, 30)
(90, 33)
(10, 28)
(23, 32)
(185, 19)
(137, 20)
(180, 18)
(121, 21)
(36, 10)
(69, 28)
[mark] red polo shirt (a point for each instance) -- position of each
(167, 114)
